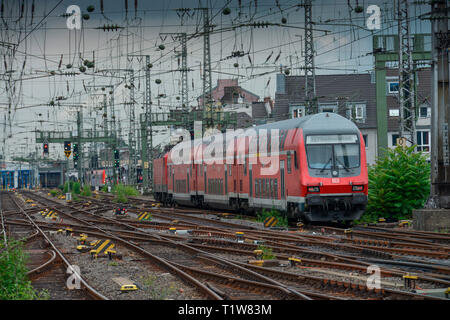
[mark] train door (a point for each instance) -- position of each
(282, 185)
(250, 185)
(204, 179)
(226, 180)
(187, 179)
(173, 179)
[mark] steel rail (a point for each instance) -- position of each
(94, 293)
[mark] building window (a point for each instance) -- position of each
(423, 141)
(394, 139)
(356, 111)
(425, 111)
(392, 87)
(297, 111)
(360, 111)
(328, 107)
(394, 112)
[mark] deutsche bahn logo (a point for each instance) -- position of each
(270, 222)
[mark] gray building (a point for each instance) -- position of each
(354, 96)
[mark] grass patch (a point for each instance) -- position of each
(14, 283)
(55, 192)
(267, 253)
(86, 191)
(123, 192)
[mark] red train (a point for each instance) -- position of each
(317, 172)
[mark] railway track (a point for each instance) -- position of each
(195, 269)
(49, 267)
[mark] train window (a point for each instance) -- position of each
(288, 162)
(276, 188)
(271, 188)
(256, 188)
(245, 166)
(346, 155)
(295, 160)
(230, 169)
(320, 156)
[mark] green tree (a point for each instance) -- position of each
(398, 183)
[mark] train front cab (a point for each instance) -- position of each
(335, 182)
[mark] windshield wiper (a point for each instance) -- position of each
(325, 166)
(345, 167)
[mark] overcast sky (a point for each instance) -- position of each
(45, 42)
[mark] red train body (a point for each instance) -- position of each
(320, 171)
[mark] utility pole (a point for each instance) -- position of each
(182, 37)
(406, 91)
(207, 79)
(310, 73)
(132, 163)
(146, 132)
(440, 109)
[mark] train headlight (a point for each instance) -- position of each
(357, 188)
(313, 189)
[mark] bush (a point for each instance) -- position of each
(398, 183)
(55, 192)
(122, 192)
(86, 191)
(13, 274)
(75, 187)
(105, 188)
(282, 220)
(61, 187)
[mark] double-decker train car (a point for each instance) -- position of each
(318, 171)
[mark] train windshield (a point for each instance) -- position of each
(332, 151)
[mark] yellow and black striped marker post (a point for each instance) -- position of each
(294, 261)
(258, 263)
(240, 236)
(348, 233)
(381, 220)
(270, 222)
(410, 281)
(144, 216)
(258, 253)
(173, 230)
(110, 252)
(50, 214)
(101, 246)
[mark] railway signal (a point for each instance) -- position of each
(67, 148)
(45, 148)
(116, 158)
(75, 155)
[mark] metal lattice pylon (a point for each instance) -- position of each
(310, 74)
(406, 75)
(207, 79)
